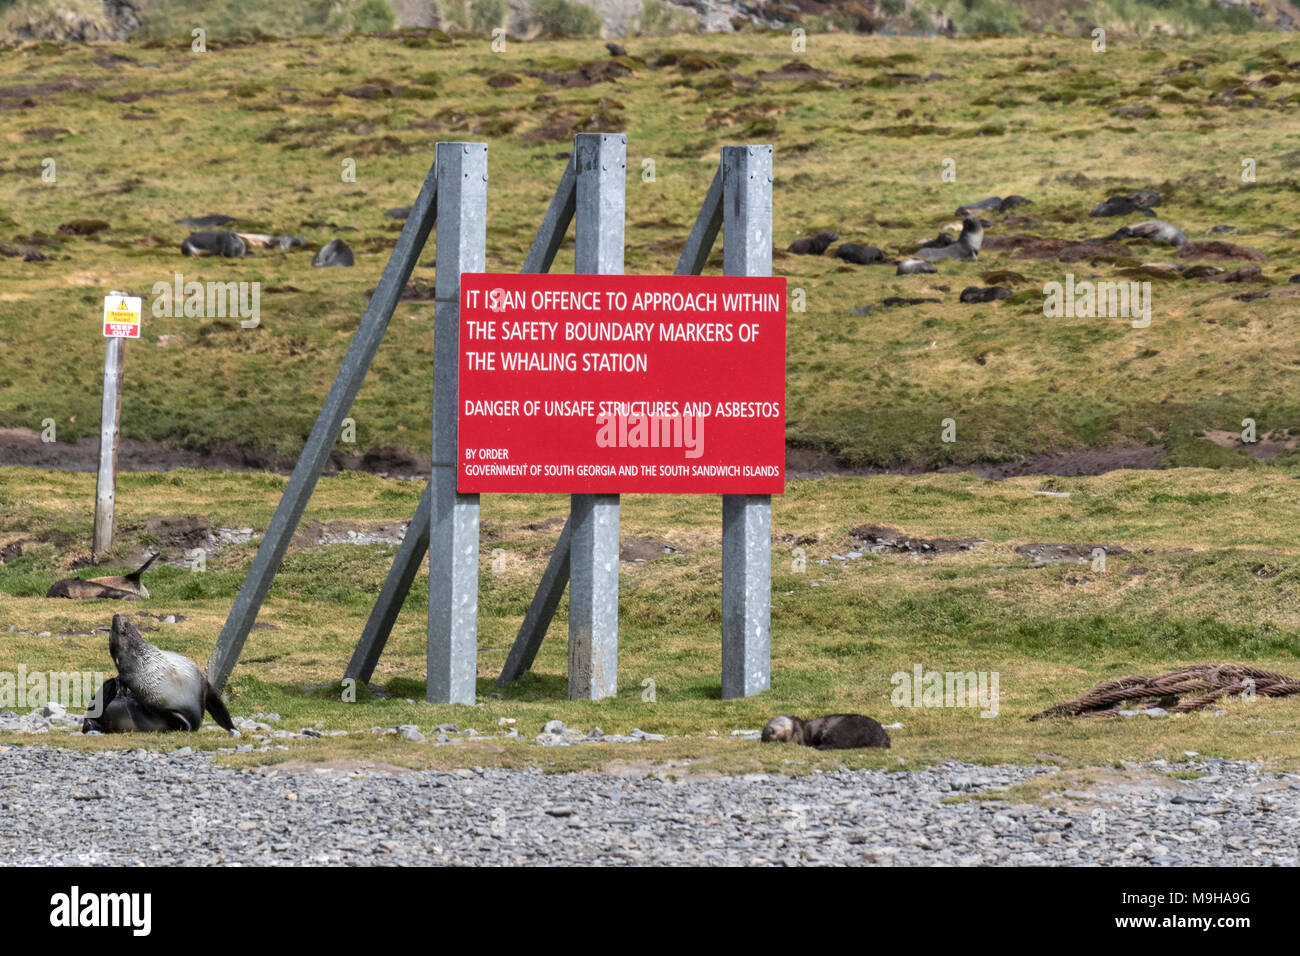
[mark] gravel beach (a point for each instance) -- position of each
(60, 807)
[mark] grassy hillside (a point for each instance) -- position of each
(144, 134)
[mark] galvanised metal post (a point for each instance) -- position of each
(600, 163)
(453, 518)
(746, 519)
(416, 543)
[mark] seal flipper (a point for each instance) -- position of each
(99, 706)
(135, 575)
(215, 706)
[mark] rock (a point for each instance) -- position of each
(553, 727)
(398, 212)
(411, 732)
(333, 253)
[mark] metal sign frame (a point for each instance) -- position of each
(586, 555)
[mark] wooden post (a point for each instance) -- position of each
(109, 419)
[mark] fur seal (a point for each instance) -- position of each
(1156, 230)
(121, 587)
(993, 204)
(262, 241)
(1141, 201)
(115, 710)
(859, 254)
(835, 732)
(227, 244)
(813, 245)
(333, 253)
(165, 685)
(967, 245)
(912, 266)
(974, 293)
(615, 50)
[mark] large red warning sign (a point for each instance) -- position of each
(614, 384)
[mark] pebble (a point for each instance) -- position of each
(839, 817)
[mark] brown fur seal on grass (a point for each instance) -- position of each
(163, 685)
(122, 587)
(835, 732)
(967, 245)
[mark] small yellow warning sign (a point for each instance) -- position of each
(122, 316)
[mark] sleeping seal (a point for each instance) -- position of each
(167, 685)
(966, 247)
(121, 587)
(913, 266)
(835, 732)
(227, 244)
(1156, 230)
(813, 245)
(857, 253)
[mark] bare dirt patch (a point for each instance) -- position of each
(1268, 446)
(1045, 552)
(23, 446)
(640, 550)
(882, 539)
(809, 463)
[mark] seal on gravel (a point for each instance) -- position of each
(167, 685)
(967, 245)
(834, 732)
(120, 587)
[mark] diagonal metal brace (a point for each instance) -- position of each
(324, 434)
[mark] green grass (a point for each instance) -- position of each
(260, 130)
(1220, 585)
